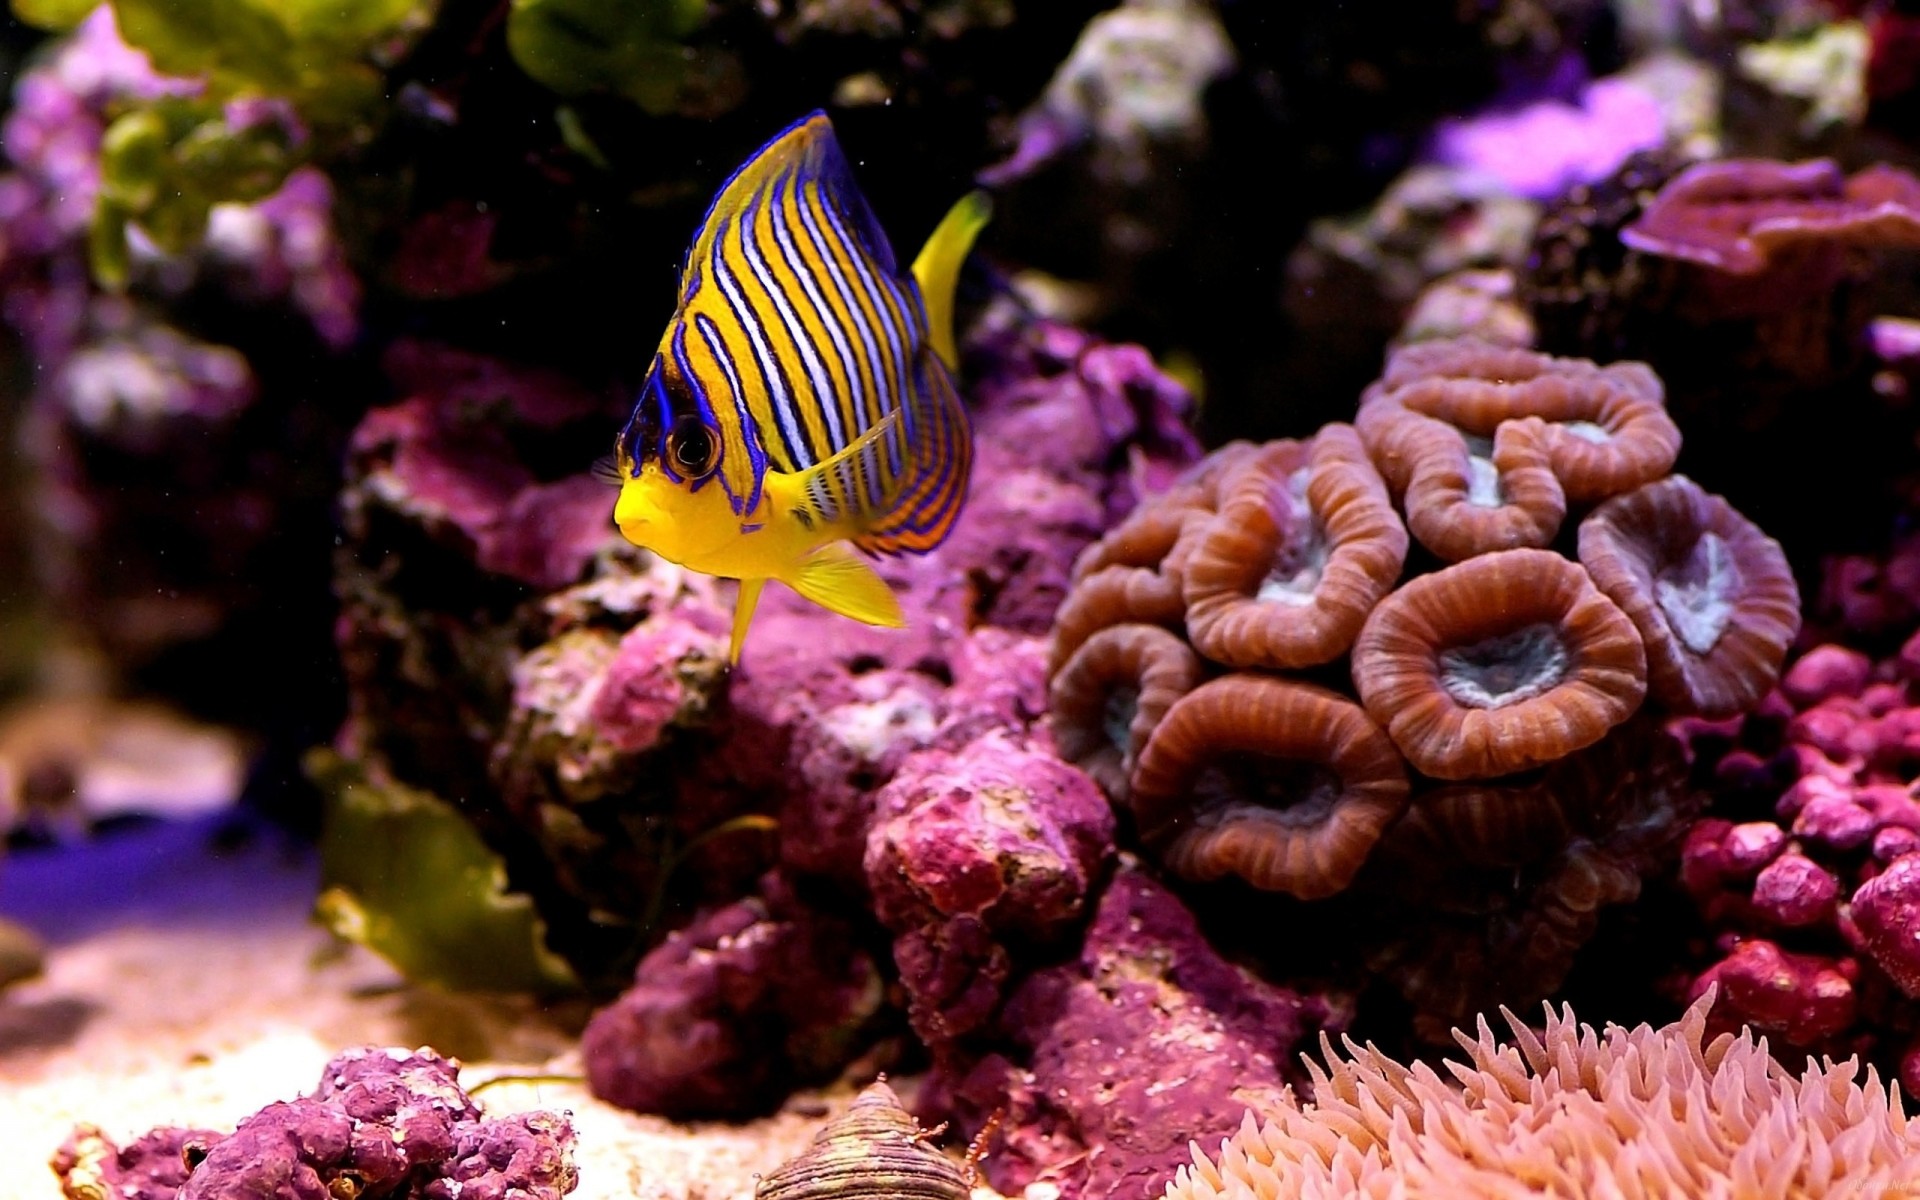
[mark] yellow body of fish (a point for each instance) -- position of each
(800, 404)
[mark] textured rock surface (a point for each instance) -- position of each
(381, 1121)
(735, 1010)
(972, 850)
(1146, 1035)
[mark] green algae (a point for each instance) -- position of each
(404, 874)
(629, 47)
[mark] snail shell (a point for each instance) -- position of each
(876, 1150)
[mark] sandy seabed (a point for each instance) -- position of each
(187, 987)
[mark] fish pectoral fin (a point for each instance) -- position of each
(807, 484)
(937, 269)
(743, 616)
(837, 579)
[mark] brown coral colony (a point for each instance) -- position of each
(1509, 656)
(1112, 693)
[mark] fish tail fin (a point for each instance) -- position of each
(937, 269)
(743, 616)
(838, 580)
(933, 490)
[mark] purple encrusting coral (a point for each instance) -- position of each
(380, 1123)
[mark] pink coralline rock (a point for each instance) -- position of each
(829, 745)
(841, 755)
(595, 768)
(1893, 841)
(546, 532)
(1147, 1035)
(1018, 538)
(1718, 852)
(731, 1011)
(1082, 409)
(381, 1123)
(1816, 912)
(1835, 820)
(1805, 999)
(973, 847)
(664, 673)
(999, 683)
(1872, 595)
(1886, 910)
(1826, 671)
(1794, 891)
(450, 457)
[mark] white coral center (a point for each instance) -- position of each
(1483, 478)
(1697, 593)
(1301, 557)
(1505, 669)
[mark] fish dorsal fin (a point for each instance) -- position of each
(937, 269)
(808, 151)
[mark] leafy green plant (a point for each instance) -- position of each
(165, 165)
(629, 47)
(324, 56)
(404, 874)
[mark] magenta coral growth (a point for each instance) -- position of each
(1544, 148)
(381, 1123)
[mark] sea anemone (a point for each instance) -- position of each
(1572, 1111)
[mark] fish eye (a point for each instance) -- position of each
(692, 448)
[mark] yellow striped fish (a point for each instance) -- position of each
(802, 399)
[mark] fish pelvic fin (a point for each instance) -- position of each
(940, 456)
(743, 616)
(840, 581)
(937, 269)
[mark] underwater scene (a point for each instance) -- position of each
(959, 599)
